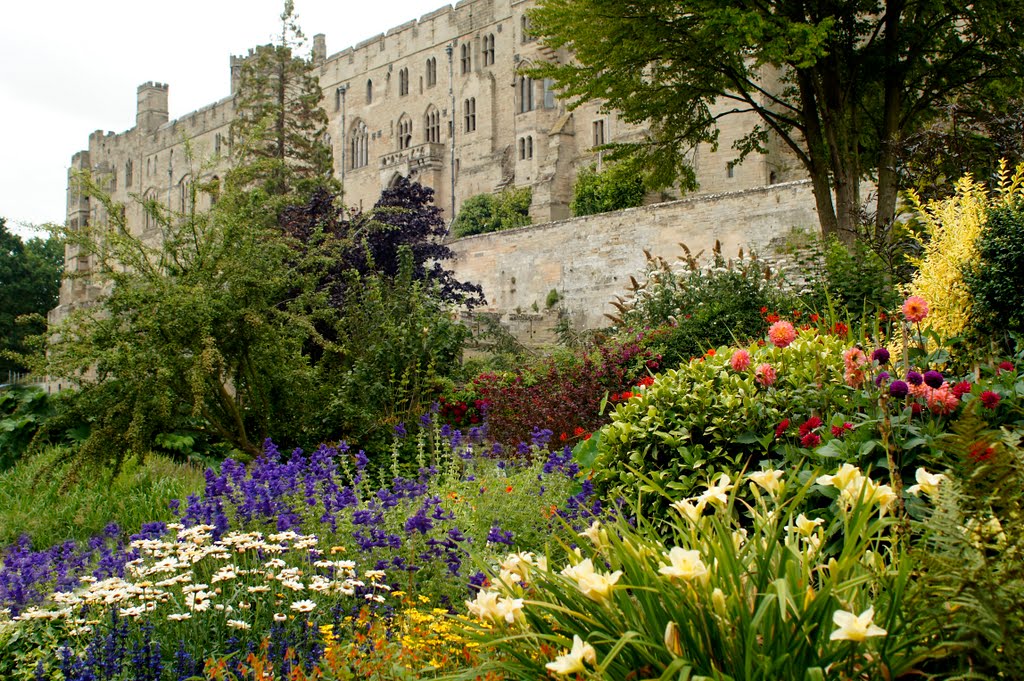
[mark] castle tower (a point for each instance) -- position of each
(151, 111)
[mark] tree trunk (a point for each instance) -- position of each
(885, 208)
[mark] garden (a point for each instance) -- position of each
(743, 478)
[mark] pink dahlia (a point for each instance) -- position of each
(764, 374)
(781, 334)
(740, 360)
(915, 308)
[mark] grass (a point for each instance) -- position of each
(52, 502)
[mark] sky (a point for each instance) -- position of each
(68, 68)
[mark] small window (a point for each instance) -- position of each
(128, 173)
(466, 52)
(524, 29)
(369, 91)
(337, 99)
(432, 72)
(598, 133)
(216, 144)
(549, 93)
(730, 170)
(489, 49)
(526, 147)
(404, 132)
(403, 82)
(469, 112)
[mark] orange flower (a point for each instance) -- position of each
(915, 308)
(508, 489)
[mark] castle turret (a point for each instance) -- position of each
(319, 49)
(151, 111)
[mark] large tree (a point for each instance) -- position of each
(280, 127)
(841, 83)
(30, 274)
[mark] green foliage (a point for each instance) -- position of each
(30, 273)
(692, 308)
(194, 326)
(49, 498)
(395, 344)
(854, 281)
(853, 81)
(552, 299)
(971, 552)
(616, 186)
(280, 127)
(705, 417)
(741, 591)
(996, 283)
(485, 213)
(22, 411)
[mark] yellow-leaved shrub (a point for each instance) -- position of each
(954, 225)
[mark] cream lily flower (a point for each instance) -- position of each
(855, 628)
(847, 474)
(597, 536)
(718, 493)
(691, 512)
(926, 482)
(770, 481)
(683, 564)
(805, 525)
(573, 662)
(486, 606)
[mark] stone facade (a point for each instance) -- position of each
(589, 260)
(442, 100)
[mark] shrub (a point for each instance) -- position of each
(996, 282)
(692, 308)
(855, 280)
(486, 213)
(615, 187)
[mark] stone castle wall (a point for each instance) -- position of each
(589, 260)
(442, 100)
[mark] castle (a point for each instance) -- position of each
(443, 100)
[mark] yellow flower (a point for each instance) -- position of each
(594, 585)
(769, 480)
(926, 482)
(573, 662)
(805, 526)
(691, 512)
(718, 493)
(684, 565)
(855, 628)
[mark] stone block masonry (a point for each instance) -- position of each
(589, 260)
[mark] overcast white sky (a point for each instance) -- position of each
(68, 68)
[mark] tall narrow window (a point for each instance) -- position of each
(598, 132)
(489, 49)
(466, 52)
(216, 144)
(730, 170)
(432, 125)
(525, 94)
(128, 167)
(469, 112)
(337, 99)
(404, 132)
(403, 82)
(524, 29)
(549, 93)
(369, 91)
(432, 72)
(359, 145)
(529, 146)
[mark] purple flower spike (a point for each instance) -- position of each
(933, 379)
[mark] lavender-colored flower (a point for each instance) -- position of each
(880, 355)
(361, 460)
(898, 389)
(881, 378)
(497, 536)
(914, 378)
(933, 378)
(400, 430)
